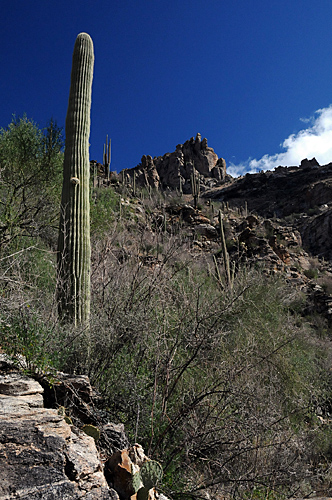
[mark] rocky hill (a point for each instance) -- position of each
(300, 196)
(173, 170)
(280, 218)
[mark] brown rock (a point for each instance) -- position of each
(119, 468)
(206, 230)
(252, 221)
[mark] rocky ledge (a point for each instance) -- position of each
(43, 455)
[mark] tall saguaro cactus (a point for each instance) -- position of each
(74, 251)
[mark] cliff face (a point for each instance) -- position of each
(173, 169)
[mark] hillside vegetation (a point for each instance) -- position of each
(224, 379)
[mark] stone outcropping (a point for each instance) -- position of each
(301, 195)
(174, 169)
(41, 456)
(44, 455)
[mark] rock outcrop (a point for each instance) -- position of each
(300, 195)
(173, 170)
(41, 456)
(44, 455)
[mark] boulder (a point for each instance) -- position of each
(206, 230)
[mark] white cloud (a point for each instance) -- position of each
(314, 141)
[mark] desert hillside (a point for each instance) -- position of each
(209, 341)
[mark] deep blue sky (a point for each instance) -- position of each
(241, 72)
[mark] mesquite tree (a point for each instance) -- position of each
(74, 250)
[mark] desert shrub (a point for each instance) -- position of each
(219, 385)
(29, 329)
(311, 273)
(107, 206)
(29, 340)
(28, 274)
(104, 206)
(325, 281)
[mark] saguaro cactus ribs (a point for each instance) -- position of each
(74, 251)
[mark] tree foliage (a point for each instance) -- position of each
(30, 173)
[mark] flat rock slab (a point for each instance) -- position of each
(18, 394)
(17, 384)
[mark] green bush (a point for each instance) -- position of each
(29, 341)
(311, 273)
(30, 166)
(105, 209)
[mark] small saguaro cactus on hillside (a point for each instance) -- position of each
(74, 250)
(225, 252)
(107, 158)
(194, 179)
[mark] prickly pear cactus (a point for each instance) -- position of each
(151, 472)
(136, 481)
(147, 477)
(74, 249)
(92, 431)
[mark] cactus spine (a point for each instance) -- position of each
(74, 249)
